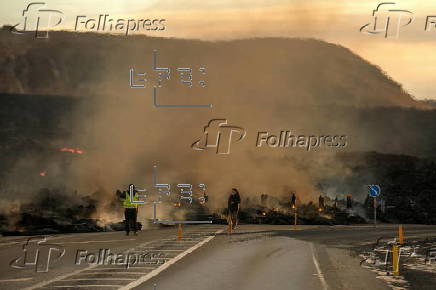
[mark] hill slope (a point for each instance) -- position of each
(290, 71)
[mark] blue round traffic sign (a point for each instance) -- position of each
(374, 190)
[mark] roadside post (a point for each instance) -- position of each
(180, 232)
(295, 218)
(395, 260)
(374, 191)
(400, 234)
(294, 207)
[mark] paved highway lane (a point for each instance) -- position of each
(252, 257)
(265, 257)
(249, 261)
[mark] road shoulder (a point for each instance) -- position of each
(343, 271)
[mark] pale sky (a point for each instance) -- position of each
(409, 59)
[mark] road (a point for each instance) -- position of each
(252, 257)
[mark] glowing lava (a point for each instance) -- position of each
(72, 150)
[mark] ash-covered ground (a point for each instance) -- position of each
(417, 262)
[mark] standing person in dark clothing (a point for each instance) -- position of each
(233, 207)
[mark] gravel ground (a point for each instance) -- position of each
(417, 272)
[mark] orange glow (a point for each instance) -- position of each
(43, 173)
(72, 150)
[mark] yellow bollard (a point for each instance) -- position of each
(395, 261)
(230, 229)
(180, 232)
(295, 219)
(400, 234)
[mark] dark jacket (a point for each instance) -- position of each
(234, 200)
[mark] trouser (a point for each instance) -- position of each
(233, 218)
(130, 215)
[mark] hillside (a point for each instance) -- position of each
(290, 71)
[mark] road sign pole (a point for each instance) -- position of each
(375, 212)
(374, 191)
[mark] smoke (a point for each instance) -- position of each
(261, 85)
(132, 137)
(300, 18)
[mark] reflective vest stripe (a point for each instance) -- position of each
(127, 203)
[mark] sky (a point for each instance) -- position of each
(409, 59)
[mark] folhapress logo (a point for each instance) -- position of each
(37, 253)
(285, 139)
(218, 134)
(38, 19)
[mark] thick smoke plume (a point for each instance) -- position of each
(262, 85)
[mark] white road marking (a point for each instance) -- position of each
(123, 268)
(103, 279)
(79, 272)
(318, 269)
(10, 243)
(17, 280)
(98, 273)
(168, 264)
(84, 286)
(98, 241)
(162, 250)
(44, 283)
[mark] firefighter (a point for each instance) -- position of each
(233, 207)
(130, 211)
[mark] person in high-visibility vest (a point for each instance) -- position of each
(130, 212)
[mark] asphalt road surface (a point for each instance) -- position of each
(208, 257)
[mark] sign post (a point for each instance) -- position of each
(375, 212)
(374, 191)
